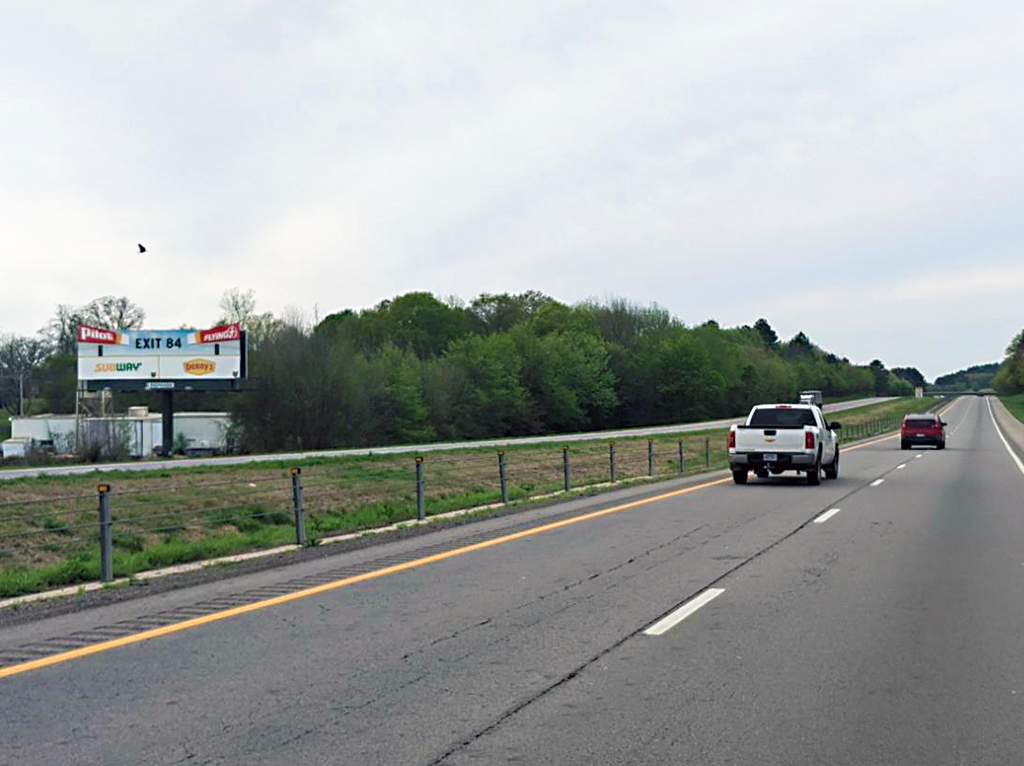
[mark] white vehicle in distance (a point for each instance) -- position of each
(812, 397)
(784, 437)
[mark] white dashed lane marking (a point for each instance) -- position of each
(826, 516)
(665, 624)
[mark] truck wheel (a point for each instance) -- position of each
(904, 445)
(814, 475)
(832, 471)
(740, 476)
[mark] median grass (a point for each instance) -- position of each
(893, 409)
(1015, 404)
(49, 524)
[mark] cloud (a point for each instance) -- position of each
(705, 157)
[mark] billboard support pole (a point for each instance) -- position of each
(168, 423)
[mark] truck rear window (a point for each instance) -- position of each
(921, 423)
(779, 418)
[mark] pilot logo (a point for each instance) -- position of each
(199, 366)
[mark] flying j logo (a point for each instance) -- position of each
(222, 334)
(117, 366)
(199, 366)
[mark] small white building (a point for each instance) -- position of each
(141, 430)
(15, 447)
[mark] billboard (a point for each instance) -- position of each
(161, 359)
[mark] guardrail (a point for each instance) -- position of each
(116, 531)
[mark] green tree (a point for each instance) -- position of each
(628, 325)
(910, 374)
(567, 376)
(421, 323)
(1009, 378)
(295, 399)
(768, 336)
(497, 403)
(500, 313)
(416, 322)
(57, 376)
(880, 377)
(799, 347)
(396, 398)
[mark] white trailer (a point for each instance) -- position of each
(203, 432)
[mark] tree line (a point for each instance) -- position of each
(418, 368)
(977, 377)
(1009, 378)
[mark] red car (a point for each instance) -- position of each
(923, 429)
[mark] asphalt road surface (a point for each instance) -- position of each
(150, 465)
(889, 631)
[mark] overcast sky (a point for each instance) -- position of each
(853, 170)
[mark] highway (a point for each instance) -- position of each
(625, 433)
(875, 619)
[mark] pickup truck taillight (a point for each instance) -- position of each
(808, 440)
(732, 440)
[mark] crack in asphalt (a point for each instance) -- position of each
(556, 592)
(575, 672)
(346, 710)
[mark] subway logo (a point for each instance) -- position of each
(117, 366)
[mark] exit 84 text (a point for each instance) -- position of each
(157, 343)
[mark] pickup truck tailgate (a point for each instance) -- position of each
(754, 439)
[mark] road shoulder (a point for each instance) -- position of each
(1012, 428)
(489, 521)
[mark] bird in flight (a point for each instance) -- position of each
(141, 248)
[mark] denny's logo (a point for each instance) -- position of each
(199, 366)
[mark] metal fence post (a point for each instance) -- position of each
(650, 457)
(707, 451)
(300, 516)
(611, 458)
(502, 476)
(106, 538)
(682, 459)
(421, 505)
(565, 468)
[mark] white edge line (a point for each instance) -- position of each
(1006, 444)
(876, 482)
(826, 516)
(668, 622)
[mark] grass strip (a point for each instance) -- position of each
(189, 514)
(1015, 404)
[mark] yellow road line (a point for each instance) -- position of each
(195, 622)
(873, 441)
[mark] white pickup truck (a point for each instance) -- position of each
(784, 437)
